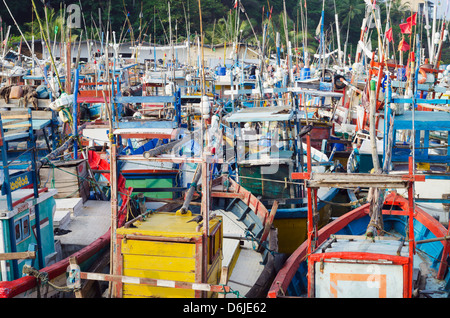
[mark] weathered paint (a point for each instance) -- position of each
(292, 233)
(425, 227)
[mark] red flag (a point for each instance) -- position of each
(235, 4)
(403, 46)
(389, 35)
(412, 19)
(405, 28)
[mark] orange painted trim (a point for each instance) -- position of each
(424, 76)
(335, 277)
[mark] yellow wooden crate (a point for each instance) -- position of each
(164, 246)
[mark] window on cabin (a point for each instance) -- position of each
(22, 229)
(26, 227)
(17, 231)
(214, 246)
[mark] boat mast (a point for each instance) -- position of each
(338, 36)
(322, 41)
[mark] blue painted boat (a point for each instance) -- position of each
(95, 110)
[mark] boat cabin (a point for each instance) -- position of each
(26, 211)
(431, 139)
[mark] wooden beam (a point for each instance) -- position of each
(155, 282)
(17, 255)
(348, 180)
(232, 195)
(223, 280)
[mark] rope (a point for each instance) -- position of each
(42, 278)
(350, 204)
(235, 292)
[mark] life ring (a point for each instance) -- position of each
(424, 76)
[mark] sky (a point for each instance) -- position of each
(442, 7)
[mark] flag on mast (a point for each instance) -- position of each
(403, 46)
(405, 28)
(412, 19)
(388, 34)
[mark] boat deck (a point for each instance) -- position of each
(243, 262)
(92, 220)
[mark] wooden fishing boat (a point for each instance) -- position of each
(342, 243)
(169, 254)
(408, 258)
(430, 146)
(49, 278)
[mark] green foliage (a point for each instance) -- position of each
(148, 20)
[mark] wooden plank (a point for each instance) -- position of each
(223, 280)
(17, 255)
(227, 195)
(346, 184)
(41, 114)
(73, 261)
(144, 99)
(154, 282)
(14, 126)
(159, 263)
(356, 180)
(269, 222)
(158, 249)
(15, 116)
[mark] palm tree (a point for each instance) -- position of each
(352, 13)
(55, 22)
(226, 30)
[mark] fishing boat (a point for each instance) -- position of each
(33, 256)
(405, 258)
(429, 144)
(171, 254)
(166, 249)
(342, 243)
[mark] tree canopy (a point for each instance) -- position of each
(148, 20)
